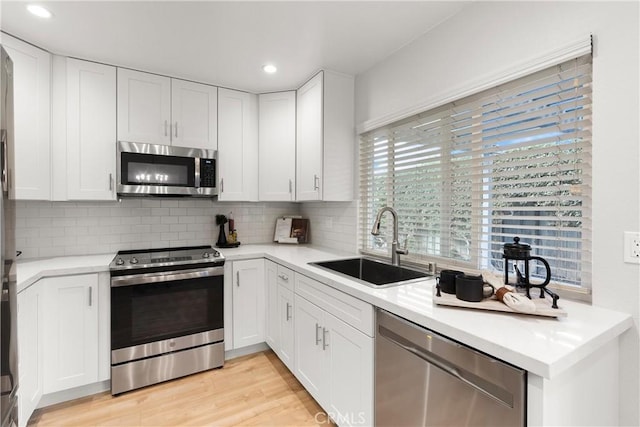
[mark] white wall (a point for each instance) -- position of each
(45, 229)
(487, 38)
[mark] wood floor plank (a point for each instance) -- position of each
(254, 390)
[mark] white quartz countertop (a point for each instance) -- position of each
(543, 346)
(30, 271)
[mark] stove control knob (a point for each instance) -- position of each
(134, 260)
(216, 254)
(119, 261)
(206, 255)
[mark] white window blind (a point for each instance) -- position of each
(469, 176)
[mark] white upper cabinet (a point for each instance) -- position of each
(144, 107)
(237, 145)
(91, 130)
(309, 140)
(194, 111)
(277, 151)
(31, 179)
(325, 136)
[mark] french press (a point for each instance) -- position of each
(516, 252)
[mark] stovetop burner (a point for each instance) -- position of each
(165, 257)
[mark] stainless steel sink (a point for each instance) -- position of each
(370, 272)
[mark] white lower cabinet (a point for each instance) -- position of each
(309, 354)
(248, 302)
(30, 352)
(63, 336)
(286, 309)
(280, 310)
(333, 360)
(70, 331)
(349, 367)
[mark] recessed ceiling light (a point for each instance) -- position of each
(269, 68)
(39, 11)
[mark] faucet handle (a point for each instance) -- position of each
(404, 251)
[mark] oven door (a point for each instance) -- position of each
(173, 309)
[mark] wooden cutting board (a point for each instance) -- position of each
(543, 305)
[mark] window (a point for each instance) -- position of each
(469, 176)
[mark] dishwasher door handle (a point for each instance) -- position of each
(493, 391)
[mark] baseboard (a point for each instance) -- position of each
(250, 349)
(88, 390)
(74, 393)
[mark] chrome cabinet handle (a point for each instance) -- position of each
(283, 277)
(110, 182)
(290, 186)
(5, 156)
(324, 338)
(237, 278)
(222, 185)
(176, 129)
(165, 128)
(288, 312)
(316, 182)
(90, 296)
(318, 327)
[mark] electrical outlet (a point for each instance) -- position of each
(632, 247)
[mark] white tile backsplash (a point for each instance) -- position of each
(333, 224)
(47, 229)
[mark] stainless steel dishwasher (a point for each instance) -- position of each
(425, 379)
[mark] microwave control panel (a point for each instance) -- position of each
(207, 173)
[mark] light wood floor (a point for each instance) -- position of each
(254, 390)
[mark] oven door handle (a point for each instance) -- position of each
(165, 276)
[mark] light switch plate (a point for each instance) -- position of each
(632, 247)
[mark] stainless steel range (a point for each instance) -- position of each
(166, 315)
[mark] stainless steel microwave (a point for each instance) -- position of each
(163, 170)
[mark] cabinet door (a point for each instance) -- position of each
(248, 302)
(273, 318)
(144, 107)
(350, 373)
(194, 115)
(286, 331)
(309, 127)
(237, 145)
(30, 353)
(91, 130)
(309, 355)
(70, 331)
(277, 146)
(32, 120)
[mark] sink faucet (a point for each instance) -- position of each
(395, 252)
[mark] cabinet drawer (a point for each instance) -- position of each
(350, 310)
(285, 277)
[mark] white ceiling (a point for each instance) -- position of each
(226, 43)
